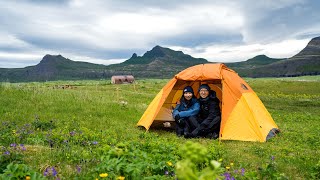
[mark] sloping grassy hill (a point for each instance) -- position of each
(254, 62)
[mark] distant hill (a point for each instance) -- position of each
(161, 62)
(257, 61)
(53, 68)
(306, 62)
(157, 63)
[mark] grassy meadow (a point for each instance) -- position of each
(88, 131)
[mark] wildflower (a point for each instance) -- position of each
(78, 169)
(120, 178)
(27, 177)
(169, 163)
(228, 167)
(166, 172)
(242, 171)
(94, 142)
(103, 175)
(6, 153)
(272, 158)
(231, 164)
(54, 172)
(13, 145)
(46, 173)
(72, 133)
(227, 175)
(23, 148)
(220, 160)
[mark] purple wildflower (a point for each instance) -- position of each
(6, 153)
(46, 173)
(54, 172)
(23, 148)
(166, 172)
(272, 158)
(236, 171)
(242, 171)
(227, 175)
(94, 142)
(72, 133)
(13, 145)
(78, 169)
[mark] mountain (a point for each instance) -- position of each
(166, 56)
(306, 62)
(53, 68)
(159, 62)
(257, 61)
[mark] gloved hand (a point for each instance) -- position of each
(177, 117)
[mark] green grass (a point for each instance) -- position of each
(42, 117)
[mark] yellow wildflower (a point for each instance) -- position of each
(231, 164)
(227, 167)
(27, 177)
(120, 178)
(220, 160)
(103, 175)
(169, 163)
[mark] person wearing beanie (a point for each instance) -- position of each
(207, 122)
(186, 108)
(204, 86)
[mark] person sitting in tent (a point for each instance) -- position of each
(207, 123)
(186, 108)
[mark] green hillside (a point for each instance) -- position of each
(257, 61)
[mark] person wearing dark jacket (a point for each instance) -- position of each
(186, 108)
(207, 123)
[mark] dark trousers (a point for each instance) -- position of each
(199, 127)
(180, 126)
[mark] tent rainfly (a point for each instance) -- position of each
(244, 117)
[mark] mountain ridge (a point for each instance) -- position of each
(306, 62)
(162, 62)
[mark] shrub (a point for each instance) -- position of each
(20, 171)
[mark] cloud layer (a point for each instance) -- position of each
(108, 32)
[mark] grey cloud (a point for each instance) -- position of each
(276, 22)
(194, 39)
(70, 27)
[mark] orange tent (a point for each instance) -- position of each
(244, 117)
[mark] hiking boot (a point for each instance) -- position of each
(188, 135)
(212, 135)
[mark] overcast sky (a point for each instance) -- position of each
(107, 32)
